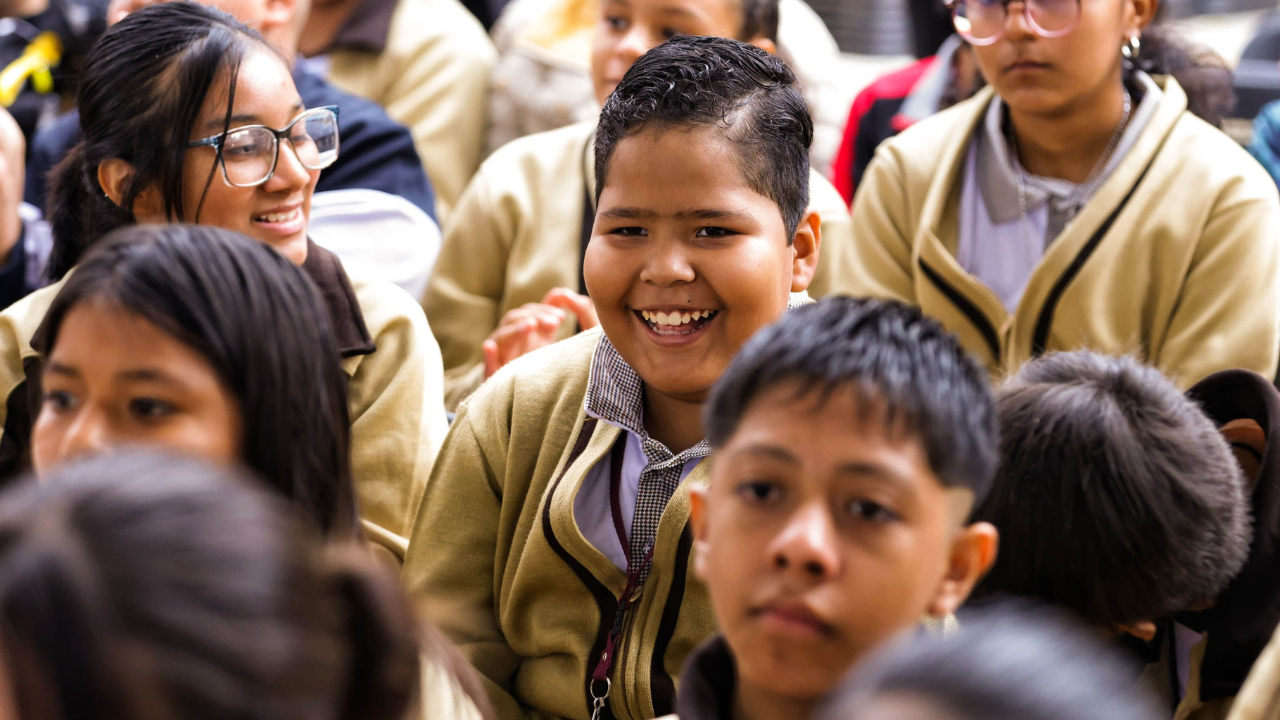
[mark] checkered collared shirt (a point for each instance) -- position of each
(615, 394)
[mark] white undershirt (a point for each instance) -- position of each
(592, 508)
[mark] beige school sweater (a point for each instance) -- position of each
(394, 396)
(517, 233)
(499, 564)
(1176, 258)
(433, 78)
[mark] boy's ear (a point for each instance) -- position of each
(698, 520)
(764, 44)
(805, 246)
(973, 552)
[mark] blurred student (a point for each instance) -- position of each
(543, 77)
(426, 61)
(509, 279)
(210, 153)
(119, 604)
(1003, 665)
(1152, 515)
(1079, 201)
(851, 440)
(552, 541)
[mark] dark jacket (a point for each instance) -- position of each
(707, 683)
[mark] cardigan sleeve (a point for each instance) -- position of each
(1228, 311)
(451, 568)
(464, 295)
(882, 240)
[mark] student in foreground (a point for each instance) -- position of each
(1079, 202)
(509, 276)
(1006, 665)
(851, 440)
(564, 483)
(118, 603)
(1120, 499)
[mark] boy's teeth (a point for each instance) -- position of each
(674, 319)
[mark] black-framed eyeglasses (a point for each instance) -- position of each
(982, 22)
(249, 154)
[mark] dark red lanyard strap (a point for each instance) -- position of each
(600, 683)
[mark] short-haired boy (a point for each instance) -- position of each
(851, 441)
(509, 278)
(552, 543)
(1122, 499)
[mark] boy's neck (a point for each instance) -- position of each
(755, 703)
(673, 422)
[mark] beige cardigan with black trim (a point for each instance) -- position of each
(394, 396)
(1176, 258)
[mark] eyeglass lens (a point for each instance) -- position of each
(982, 21)
(250, 154)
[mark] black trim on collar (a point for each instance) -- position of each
(367, 29)
(708, 683)
(1246, 614)
(326, 271)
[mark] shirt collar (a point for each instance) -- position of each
(367, 29)
(998, 167)
(349, 329)
(615, 395)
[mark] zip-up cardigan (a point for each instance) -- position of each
(1176, 259)
(500, 565)
(394, 395)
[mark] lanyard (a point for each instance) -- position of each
(600, 683)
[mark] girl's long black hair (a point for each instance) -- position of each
(144, 83)
(260, 322)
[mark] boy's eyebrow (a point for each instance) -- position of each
(862, 468)
(776, 452)
(58, 368)
(636, 213)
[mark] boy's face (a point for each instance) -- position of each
(686, 261)
(629, 28)
(823, 533)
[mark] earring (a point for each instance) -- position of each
(1130, 49)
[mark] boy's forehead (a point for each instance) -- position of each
(665, 166)
(709, 9)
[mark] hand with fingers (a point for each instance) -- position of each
(535, 325)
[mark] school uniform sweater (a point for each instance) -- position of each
(1176, 258)
(501, 566)
(428, 63)
(520, 230)
(394, 395)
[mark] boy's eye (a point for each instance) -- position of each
(59, 400)
(629, 232)
(617, 24)
(871, 511)
(759, 491)
(669, 33)
(150, 409)
(714, 232)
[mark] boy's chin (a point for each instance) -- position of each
(798, 672)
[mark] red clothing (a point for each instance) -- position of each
(872, 119)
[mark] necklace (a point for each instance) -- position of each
(1079, 196)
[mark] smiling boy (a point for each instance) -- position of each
(510, 277)
(851, 441)
(553, 543)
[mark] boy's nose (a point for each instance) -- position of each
(634, 44)
(1015, 21)
(808, 543)
(668, 265)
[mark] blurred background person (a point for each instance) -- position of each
(1017, 663)
(117, 603)
(427, 62)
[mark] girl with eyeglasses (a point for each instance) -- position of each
(189, 116)
(1078, 201)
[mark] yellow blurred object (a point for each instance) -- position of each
(36, 63)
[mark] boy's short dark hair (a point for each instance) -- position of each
(749, 94)
(759, 19)
(1008, 662)
(889, 353)
(1116, 496)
